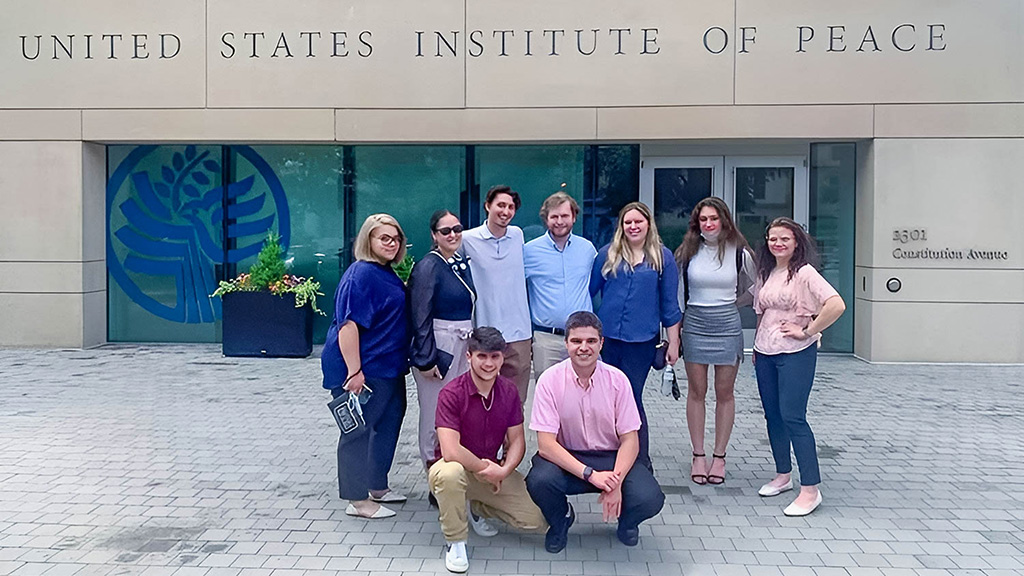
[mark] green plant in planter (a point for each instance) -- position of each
(404, 268)
(270, 273)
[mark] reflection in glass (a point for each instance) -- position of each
(616, 182)
(535, 172)
(832, 209)
(410, 183)
(312, 180)
(164, 243)
(762, 195)
(676, 192)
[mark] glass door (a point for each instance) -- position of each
(673, 186)
(756, 188)
(759, 190)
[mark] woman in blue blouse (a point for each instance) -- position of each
(441, 299)
(637, 279)
(366, 353)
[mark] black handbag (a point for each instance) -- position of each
(660, 355)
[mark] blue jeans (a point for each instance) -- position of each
(549, 485)
(365, 458)
(634, 359)
(784, 381)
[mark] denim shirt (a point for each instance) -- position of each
(636, 302)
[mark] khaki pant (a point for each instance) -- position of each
(548, 350)
(517, 366)
(450, 336)
(452, 485)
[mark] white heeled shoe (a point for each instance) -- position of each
(794, 510)
(768, 490)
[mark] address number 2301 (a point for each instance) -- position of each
(911, 235)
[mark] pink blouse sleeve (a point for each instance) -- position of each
(817, 287)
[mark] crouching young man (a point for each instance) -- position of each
(477, 413)
(586, 422)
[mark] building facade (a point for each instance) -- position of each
(147, 148)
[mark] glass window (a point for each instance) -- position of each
(676, 192)
(409, 183)
(311, 180)
(535, 172)
(616, 182)
(832, 208)
(762, 194)
(164, 243)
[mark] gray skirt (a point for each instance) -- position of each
(712, 335)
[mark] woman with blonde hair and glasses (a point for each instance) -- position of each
(637, 279)
(366, 354)
(716, 271)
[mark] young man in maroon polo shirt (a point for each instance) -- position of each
(477, 413)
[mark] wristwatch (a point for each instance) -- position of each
(587, 472)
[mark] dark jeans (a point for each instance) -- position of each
(784, 381)
(364, 459)
(549, 485)
(635, 359)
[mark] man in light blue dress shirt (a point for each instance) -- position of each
(495, 251)
(558, 266)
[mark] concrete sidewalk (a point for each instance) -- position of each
(161, 460)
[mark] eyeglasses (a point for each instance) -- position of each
(388, 240)
(449, 229)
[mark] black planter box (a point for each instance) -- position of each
(261, 324)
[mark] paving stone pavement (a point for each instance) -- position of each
(173, 460)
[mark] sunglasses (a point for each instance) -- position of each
(449, 229)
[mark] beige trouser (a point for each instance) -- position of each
(517, 366)
(450, 336)
(548, 350)
(452, 485)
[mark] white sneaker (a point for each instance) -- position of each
(457, 559)
(480, 524)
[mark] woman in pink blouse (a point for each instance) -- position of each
(793, 304)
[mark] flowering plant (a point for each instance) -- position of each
(270, 273)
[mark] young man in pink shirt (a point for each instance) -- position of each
(477, 413)
(586, 422)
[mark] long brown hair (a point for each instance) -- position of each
(619, 251)
(804, 253)
(692, 240)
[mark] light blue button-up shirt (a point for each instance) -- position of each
(497, 267)
(558, 281)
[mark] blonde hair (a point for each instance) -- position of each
(364, 252)
(620, 252)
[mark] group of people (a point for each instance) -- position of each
(484, 310)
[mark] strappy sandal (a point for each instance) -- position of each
(715, 478)
(699, 479)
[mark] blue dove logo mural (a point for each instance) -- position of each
(169, 223)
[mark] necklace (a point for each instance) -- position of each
(487, 407)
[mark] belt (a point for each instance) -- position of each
(546, 330)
